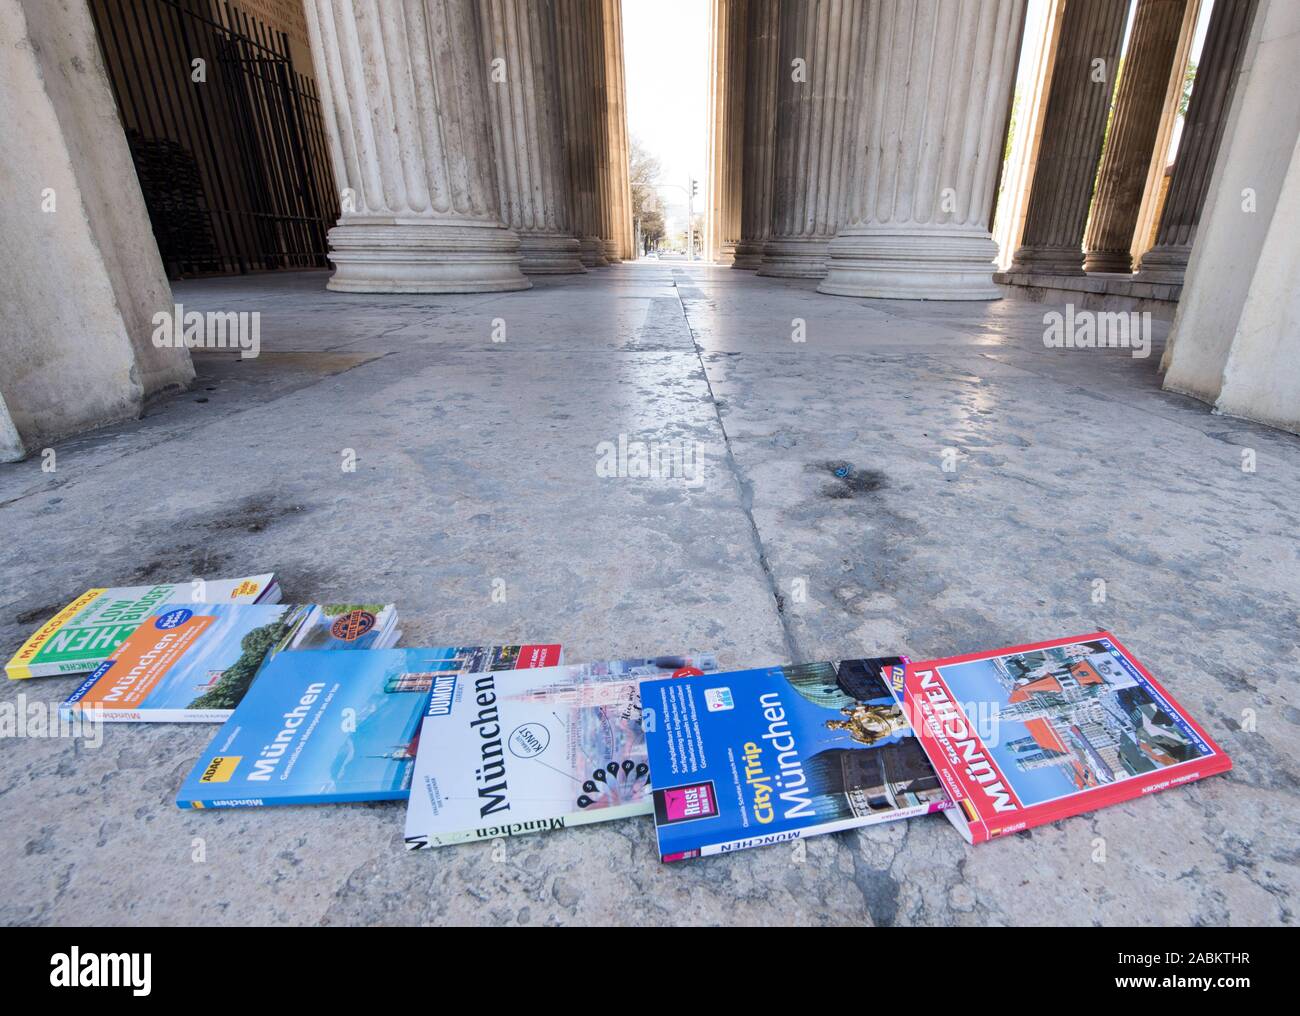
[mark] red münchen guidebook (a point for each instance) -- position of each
(1028, 735)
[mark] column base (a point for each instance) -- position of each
(1048, 260)
(1166, 264)
(749, 255)
(610, 250)
(794, 258)
(591, 252)
(907, 264)
(1108, 262)
(550, 254)
(424, 257)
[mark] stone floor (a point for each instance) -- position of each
(477, 461)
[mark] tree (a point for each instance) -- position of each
(652, 222)
(234, 682)
(647, 208)
(1189, 79)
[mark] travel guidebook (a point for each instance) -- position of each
(193, 664)
(1032, 734)
(322, 727)
(753, 757)
(505, 754)
(82, 635)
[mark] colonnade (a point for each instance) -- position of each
(860, 142)
(476, 142)
(857, 143)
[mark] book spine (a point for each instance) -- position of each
(53, 669)
(541, 825)
(150, 715)
(819, 829)
(214, 803)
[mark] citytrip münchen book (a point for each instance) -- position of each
(755, 757)
(82, 635)
(505, 754)
(193, 664)
(321, 727)
(1032, 734)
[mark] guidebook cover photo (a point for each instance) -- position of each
(193, 664)
(83, 634)
(754, 757)
(1036, 733)
(322, 726)
(506, 754)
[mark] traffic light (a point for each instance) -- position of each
(695, 187)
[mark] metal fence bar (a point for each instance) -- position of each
(235, 168)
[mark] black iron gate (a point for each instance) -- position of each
(226, 136)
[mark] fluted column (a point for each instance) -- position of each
(937, 93)
(599, 84)
(721, 156)
(1225, 41)
(1148, 63)
(762, 41)
(726, 136)
(734, 131)
(1074, 126)
(523, 93)
(820, 56)
(620, 172)
(404, 92)
(578, 108)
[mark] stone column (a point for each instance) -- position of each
(523, 92)
(1234, 342)
(937, 95)
(620, 171)
(594, 17)
(733, 135)
(820, 57)
(1157, 182)
(404, 92)
(1225, 41)
(1042, 38)
(762, 72)
(727, 128)
(719, 155)
(83, 282)
(1148, 63)
(578, 106)
(1074, 127)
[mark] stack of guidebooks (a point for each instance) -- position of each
(999, 741)
(492, 741)
(196, 664)
(82, 635)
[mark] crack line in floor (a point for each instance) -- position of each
(746, 490)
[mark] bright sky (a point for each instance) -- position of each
(666, 54)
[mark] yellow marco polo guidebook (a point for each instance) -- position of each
(84, 634)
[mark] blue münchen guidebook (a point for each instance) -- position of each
(755, 757)
(324, 726)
